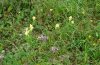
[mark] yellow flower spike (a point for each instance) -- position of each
(26, 31)
(70, 18)
(57, 26)
(31, 27)
(34, 18)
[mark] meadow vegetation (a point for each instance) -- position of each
(49, 32)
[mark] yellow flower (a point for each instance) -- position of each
(57, 26)
(33, 18)
(70, 18)
(51, 9)
(72, 22)
(26, 31)
(91, 20)
(31, 27)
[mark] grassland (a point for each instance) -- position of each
(49, 32)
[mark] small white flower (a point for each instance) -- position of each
(51, 9)
(70, 18)
(57, 26)
(33, 18)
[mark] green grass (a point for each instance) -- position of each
(65, 32)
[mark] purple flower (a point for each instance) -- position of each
(54, 49)
(42, 37)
